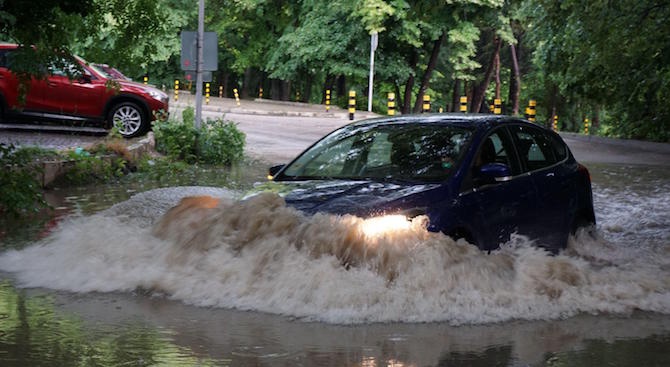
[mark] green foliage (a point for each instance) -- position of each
(85, 168)
(612, 57)
(221, 143)
(217, 142)
(20, 190)
(162, 169)
(176, 139)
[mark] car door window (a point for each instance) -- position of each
(536, 148)
(495, 148)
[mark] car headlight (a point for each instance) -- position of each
(156, 94)
(393, 223)
(385, 224)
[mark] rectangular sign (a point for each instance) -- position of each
(189, 51)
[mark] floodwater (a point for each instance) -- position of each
(257, 284)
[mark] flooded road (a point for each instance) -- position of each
(102, 289)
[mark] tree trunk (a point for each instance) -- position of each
(307, 93)
(342, 86)
(275, 92)
(407, 96)
(497, 75)
(456, 96)
(246, 83)
(425, 81)
(515, 81)
(479, 92)
(285, 90)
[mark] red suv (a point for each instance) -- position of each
(91, 96)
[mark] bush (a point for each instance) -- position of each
(221, 143)
(89, 168)
(20, 190)
(217, 142)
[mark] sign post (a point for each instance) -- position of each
(374, 40)
(199, 54)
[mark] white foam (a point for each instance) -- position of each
(261, 255)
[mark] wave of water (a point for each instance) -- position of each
(260, 255)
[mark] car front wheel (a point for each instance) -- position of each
(129, 119)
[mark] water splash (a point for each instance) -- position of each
(259, 254)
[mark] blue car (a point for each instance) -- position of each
(477, 177)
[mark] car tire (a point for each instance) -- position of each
(129, 119)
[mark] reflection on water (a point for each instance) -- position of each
(34, 333)
(626, 269)
(39, 328)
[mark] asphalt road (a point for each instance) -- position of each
(277, 139)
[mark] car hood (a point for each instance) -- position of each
(360, 198)
(130, 84)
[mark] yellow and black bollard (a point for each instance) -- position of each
(297, 96)
(532, 104)
(586, 126)
(497, 106)
(146, 78)
(176, 90)
(220, 91)
(260, 92)
(464, 104)
(554, 124)
(327, 100)
(206, 93)
(352, 104)
(237, 96)
(426, 104)
(391, 104)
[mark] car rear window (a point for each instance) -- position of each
(537, 148)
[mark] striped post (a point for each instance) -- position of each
(497, 106)
(327, 100)
(206, 93)
(260, 92)
(555, 123)
(176, 90)
(352, 104)
(426, 104)
(586, 126)
(237, 96)
(532, 104)
(464, 104)
(391, 104)
(220, 91)
(146, 79)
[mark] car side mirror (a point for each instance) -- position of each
(274, 170)
(494, 172)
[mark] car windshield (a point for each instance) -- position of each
(418, 152)
(100, 71)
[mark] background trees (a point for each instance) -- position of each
(606, 61)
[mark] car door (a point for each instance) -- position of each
(542, 157)
(493, 211)
(70, 92)
(32, 98)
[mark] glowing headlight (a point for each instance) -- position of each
(156, 94)
(384, 224)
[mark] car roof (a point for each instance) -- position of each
(474, 120)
